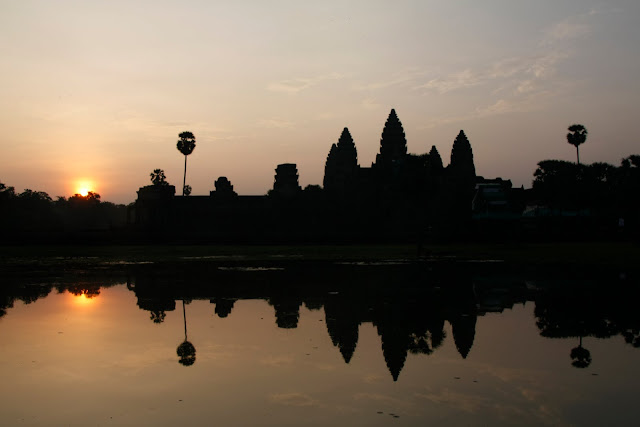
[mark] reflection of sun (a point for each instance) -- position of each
(83, 299)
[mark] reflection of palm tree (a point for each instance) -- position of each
(581, 356)
(186, 351)
(425, 342)
(158, 316)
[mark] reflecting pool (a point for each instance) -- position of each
(295, 343)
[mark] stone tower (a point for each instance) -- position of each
(341, 168)
(461, 165)
(393, 144)
(286, 180)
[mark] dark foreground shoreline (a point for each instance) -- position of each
(613, 254)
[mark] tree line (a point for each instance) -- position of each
(36, 212)
(601, 188)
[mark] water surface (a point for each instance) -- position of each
(339, 344)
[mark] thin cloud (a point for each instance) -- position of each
(459, 80)
(277, 361)
(403, 77)
(517, 84)
(275, 124)
(294, 399)
(569, 28)
(516, 69)
(301, 83)
(464, 402)
(325, 116)
(529, 101)
(369, 104)
(383, 398)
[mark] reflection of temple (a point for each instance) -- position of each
(343, 320)
(410, 317)
(287, 311)
(223, 306)
(406, 323)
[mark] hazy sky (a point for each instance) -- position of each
(100, 90)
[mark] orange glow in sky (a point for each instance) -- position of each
(86, 102)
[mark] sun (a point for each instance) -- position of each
(84, 187)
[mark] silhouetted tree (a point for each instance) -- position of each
(186, 145)
(631, 161)
(556, 183)
(91, 199)
(577, 135)
(561, 185)
(158, 177)
(6, 193)
(34, 197)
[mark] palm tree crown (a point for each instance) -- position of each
(577, 135)
(186, 143)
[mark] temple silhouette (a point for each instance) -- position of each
(401, 195)
(400, 198)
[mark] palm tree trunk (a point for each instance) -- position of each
(184, 178)
(577, 154)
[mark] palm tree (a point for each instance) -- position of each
(577, 135)
(158, 177)
(186, 144)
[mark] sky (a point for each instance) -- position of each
(95, 93)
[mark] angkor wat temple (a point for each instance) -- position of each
(400, 197)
